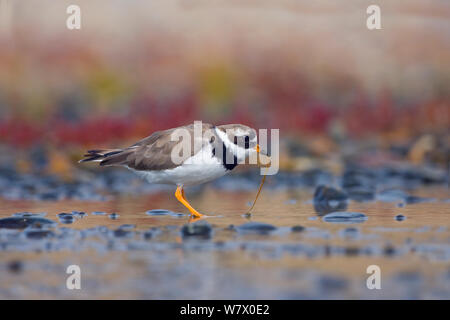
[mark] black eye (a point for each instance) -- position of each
(246, 141)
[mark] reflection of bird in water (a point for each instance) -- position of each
(159, 158)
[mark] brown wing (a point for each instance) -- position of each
(153, 152)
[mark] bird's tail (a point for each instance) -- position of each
(99, 155)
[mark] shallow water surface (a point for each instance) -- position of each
(284, 250)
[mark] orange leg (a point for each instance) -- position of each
(179, 194)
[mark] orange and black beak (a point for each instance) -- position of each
(263, 160)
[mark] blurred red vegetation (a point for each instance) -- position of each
(89, 88)
(361, 118)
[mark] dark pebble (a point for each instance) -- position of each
(114, 216)
(64, 215)
(79, 214)
(66, 218)
(351, 251)
(148, 235)
(298, 228)
(158, 212)
(256, 227)
(345, 217)
(122, 233)
(327, 199)
(39, 234)
(389, 251)
(324, 207)
(23, 222)
(400, 217)
(201, 230)
(15, 266)
(324, 193)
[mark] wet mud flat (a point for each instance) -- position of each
(309, 240)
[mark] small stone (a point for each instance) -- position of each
(400, 217)
(231, 227)
(15, 266)
(298, 228)
(64, 215)
(345, 217)
(23, 222)
(325, 207)
(351, 251)
(158, 212)
(148, 235)
(39, 234)
(79, 214)
(327, 199)
(256, 227)
(122, 233)
(114, 216)
(202, 230)
(389, 250)
(324, 193)
(66, 218)
(98, 213)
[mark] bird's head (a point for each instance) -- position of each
(239, 140)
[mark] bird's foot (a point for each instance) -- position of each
(196, 214)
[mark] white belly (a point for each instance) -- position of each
(200, 168)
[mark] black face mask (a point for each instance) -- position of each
(246, 142)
